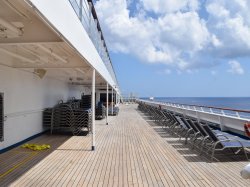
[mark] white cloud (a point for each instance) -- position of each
(229, 22)
(154, 40)
(185, 32)
(133, 35)
(169, 6)
(235, 68)
(176, 34)
(215, 41)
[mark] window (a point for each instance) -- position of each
(1, 117)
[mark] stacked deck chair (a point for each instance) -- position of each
(75, 103)
(100, 111)
(47, 117)
(85, 102)
(115, 111)
(68, 116)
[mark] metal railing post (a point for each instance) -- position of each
(90, 20)
(80, 11)
(95, 37)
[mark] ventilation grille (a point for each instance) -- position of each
(1, 117)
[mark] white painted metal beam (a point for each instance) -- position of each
(107, 104)
(112, 102)
(93, 110)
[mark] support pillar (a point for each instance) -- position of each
(107, 104)
(116, 100)
(93, 110)
(112, 102)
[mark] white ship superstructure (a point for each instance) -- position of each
(49, 51)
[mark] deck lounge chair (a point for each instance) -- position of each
(187, 129)
(192, 130)
(202, 135)
(172, 122)
(196, 133)
(216, 143)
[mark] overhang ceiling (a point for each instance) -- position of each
(28, 43)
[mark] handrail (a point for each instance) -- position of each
(218, 108)
(224, 121)
(236, 112)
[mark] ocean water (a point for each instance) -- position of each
(240, 103)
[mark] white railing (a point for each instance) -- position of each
(225, 118)
(213, 110)
(85, 11)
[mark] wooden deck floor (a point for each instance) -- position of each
(130, 152)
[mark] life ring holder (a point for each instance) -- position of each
(247, 128)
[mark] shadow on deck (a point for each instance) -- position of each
(17, 161)
(186, 150)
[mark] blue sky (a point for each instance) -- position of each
(179, 48)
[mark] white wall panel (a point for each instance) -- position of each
(25, 96)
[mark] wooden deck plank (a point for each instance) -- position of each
(87, 170)
(130, 151)
(97, 170)
(18, 172)
(136, 175)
